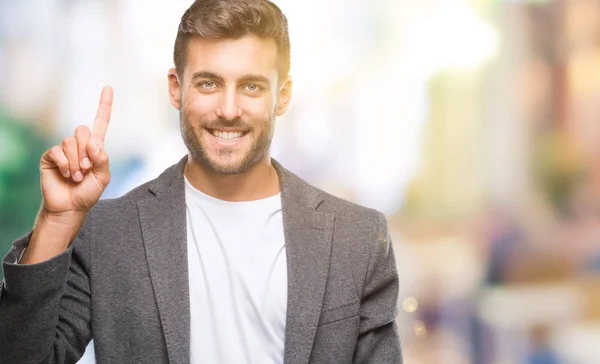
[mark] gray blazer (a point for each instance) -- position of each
(124, 282)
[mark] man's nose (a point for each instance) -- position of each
(229, 107)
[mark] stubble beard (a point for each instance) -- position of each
(225, 162)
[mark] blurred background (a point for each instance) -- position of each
(474, 125)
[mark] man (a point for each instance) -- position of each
(226, 257)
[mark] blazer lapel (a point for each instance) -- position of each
(163, 224)
(308, 236)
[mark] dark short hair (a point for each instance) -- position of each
(220, 19)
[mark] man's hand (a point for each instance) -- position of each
(73, 177)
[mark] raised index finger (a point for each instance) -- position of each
(103, 114)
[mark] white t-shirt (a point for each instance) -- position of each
(238, 279)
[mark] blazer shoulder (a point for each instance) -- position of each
(347, 209)
(131, 198)
(172, 176)
(326, 202)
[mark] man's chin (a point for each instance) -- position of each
(224, 163)
(227, 167)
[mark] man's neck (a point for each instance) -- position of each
(258, 182)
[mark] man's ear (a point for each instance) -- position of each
(284, 96)
(174, 89)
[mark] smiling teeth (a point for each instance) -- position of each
(229, 136)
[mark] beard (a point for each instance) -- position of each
(227, 160)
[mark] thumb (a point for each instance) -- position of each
(98, 156)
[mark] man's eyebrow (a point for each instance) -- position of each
(206, 74)
(253, 78)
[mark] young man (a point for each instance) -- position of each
(226, 257)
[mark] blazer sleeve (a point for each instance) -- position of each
(378, 340)
(45, 307)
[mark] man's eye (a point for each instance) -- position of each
(252, 87)
(207, 84)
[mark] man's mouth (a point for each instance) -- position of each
(227, 136)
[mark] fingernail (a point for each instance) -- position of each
(78, 176)
(96, 148)
(68, 174)
(85, 163)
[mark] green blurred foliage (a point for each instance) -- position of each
(20, 149)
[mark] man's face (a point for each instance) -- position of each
(228, 98)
